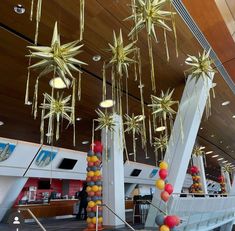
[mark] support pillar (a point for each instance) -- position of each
(232, 191)
(129, 188)
(227, 182)
(198, 161)
(10, 188)
(113, 175)
(179, 150)
(227, 226)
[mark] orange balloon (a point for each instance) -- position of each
(88, 188)
(98, 203)
(97, 173)
(94, 159)
(95, 188)
(93, 220)
(100, 220)
(88, 159)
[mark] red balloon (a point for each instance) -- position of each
(97, 163)
(98, 147)
(165, 196)
(88, 179)
(99, 177)
(91, 226)
(88, 209)
(98, 194)
(220, 178)
(90, 164)
(177, 219)
(91, 194)
(95, 178)
(169, 188)
(170, 221)
(194, 169)
(100, 208)
(93, 209)
(163, 173)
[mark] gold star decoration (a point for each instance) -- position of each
(105, 120)
(201, 66)
(150, 14)
(56, 58)
(57, 109)
(120, 53)
(161, 143)
(134, 124)
(227, 168)
(198, 151)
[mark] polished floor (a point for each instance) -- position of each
(58, 225)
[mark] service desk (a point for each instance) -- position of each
(55, 208)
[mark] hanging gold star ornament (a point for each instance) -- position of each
(58, 59)
(150, 14)
(201, 68)
(120, 61)
(161, 143)
(134, 124)
(39, 13)
(105, 121)
(56, 109)
(198, 151)
(227, 168)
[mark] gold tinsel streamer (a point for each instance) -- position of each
(82, 18)
(26, 100)
(150, 132)
(104, 81)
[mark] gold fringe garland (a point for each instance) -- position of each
(79, 86)
(26, 100)
(42, 123)
(150, 48)
(93, 135)
(82, 18)
(73, 110)
(166, 45)
(127, 102)
(150, 132)
(104, 82)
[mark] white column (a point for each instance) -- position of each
(232, 191)
(10, 188)
(227, 182)
(198, 161)
(179, 151)
(129, 188)
(113, 176)
(227, 227)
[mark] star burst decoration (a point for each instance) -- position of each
(160, 142)
(162, 106)
(227, 168)
(56, 109)
(57, 57)
(105, 120)
(120, 54)
(134, 123)
(201, 66)
(150, 14)
(198, 151)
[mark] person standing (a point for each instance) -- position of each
(82, 196)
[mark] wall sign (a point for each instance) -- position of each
(6, 150)
(44, 158)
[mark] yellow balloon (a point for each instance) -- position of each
(98, 203)
(160, 184)
(91, 204)
(88, 188)
(100, 220)
(163, 165)
(94, 159)
(95, 188)
(88, 220)
(164, 228)
(100, 188)
(93, 220)
(97, 173)
(91, 173)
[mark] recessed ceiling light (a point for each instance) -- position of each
(220, 159)
(78, 118)
(233, 116)
(107, 103)
(228, 147)
(131, 154)
(96, 58)
(224, 161)
(225, 103)
(160, 129)
(209, 152)
(28, 103)
(202, 147)
(215, 156)
(221, 141)
(232, 151)
(1, 123)
(58, 83)
(85, 142)
(19, 9)
(212, 135)
(201, 128)
(229, 164)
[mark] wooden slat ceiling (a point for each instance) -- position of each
(101, 18)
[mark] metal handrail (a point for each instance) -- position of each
(34, 217)
(104, 205)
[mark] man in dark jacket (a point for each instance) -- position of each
(82, 196)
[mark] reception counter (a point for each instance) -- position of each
(52, 209)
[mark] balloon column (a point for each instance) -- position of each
(164, 221)
(196, 187)
(94, 186)
(222, 184)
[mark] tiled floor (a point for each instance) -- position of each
(57, 225)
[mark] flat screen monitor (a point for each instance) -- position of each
(67, 164)
(136, 172)
(44, 184)
(153, 173)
